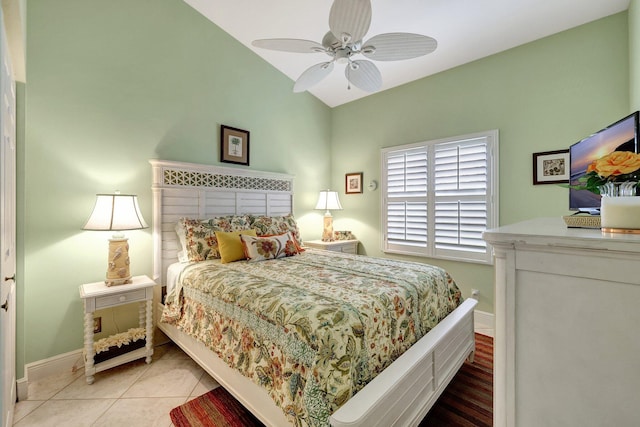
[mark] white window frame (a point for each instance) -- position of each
(428, 248)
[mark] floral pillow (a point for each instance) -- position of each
(264, 248)
(273, 225)
(198, 237)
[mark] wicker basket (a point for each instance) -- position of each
(582, 221)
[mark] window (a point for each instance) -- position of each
(440, 196)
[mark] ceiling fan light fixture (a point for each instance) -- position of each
(342, 55)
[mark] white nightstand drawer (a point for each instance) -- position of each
(346, 246)
(121, 298)
(350, 248)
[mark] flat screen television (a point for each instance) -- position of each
(620, 136)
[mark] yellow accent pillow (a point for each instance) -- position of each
(230, 245)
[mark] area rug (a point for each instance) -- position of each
(216, 408)
(466, 402)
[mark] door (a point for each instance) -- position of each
(7, 236)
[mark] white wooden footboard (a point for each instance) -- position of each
(402, 394)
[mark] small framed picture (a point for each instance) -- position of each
(353, 183)
(551, 167)
(234, 145)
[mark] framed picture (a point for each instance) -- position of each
(353, 183)
(234, 145)
(551, 167)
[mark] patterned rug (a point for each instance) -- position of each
(466, 402)
(216, 408)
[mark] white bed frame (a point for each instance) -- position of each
(399, 396)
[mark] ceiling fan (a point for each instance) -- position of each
(349, 21)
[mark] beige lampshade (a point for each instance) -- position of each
(116, 212)
(328, 200)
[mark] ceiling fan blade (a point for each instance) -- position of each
(364, 75)
(398, 46)
(312, 76)
(349, 20)
(290, 45)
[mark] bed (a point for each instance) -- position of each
(313, 386)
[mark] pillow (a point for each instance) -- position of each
(299, 248)
(230, 245)
(272, 225)
(264, 248)
(198, 238)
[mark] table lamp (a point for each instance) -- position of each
(328, 200)
(116, 212)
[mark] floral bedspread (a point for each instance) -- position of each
(315, 328)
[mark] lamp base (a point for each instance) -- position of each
(118, 272)
(327, 231)
(111, 282)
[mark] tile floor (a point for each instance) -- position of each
(132, 395)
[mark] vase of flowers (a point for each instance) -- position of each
(616, 177)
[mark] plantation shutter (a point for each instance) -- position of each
(407, 198)
(461, 196)
(440, 196)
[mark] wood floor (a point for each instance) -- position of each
(468, 399)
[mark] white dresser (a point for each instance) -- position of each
(567, 332)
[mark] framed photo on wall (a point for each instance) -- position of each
(353, 183)
(234, 145)
(551, 167)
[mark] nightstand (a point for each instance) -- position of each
(97, 296)
(346, 246)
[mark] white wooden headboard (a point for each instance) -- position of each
(204, 191)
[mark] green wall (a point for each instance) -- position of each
(112, 84)
(542, 96)
(634, 54)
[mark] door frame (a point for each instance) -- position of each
(7, 232)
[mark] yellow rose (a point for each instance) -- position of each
(616, 163)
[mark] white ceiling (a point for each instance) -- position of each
(466, 30)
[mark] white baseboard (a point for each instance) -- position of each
(72, 361)
(22, 387)
(484, 322)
